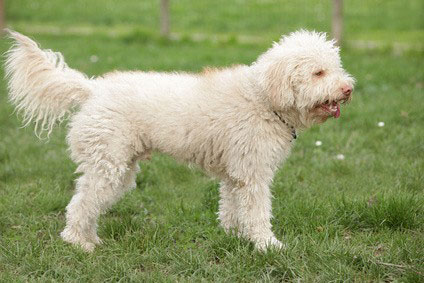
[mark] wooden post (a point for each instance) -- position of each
(164, 18)
(337, 21)
(2, 17)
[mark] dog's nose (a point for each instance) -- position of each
(346, 90)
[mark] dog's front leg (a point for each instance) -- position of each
(254, 215)
(228, 207)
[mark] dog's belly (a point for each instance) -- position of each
(197, 143)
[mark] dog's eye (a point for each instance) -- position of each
(319, 73)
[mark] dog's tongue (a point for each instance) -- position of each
(336, 114)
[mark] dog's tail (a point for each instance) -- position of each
(41, 85)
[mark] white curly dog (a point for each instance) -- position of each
(237, 123)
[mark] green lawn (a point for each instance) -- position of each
(357, 219)
(365, 19)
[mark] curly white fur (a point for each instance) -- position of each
(235, 123)
(41, 85)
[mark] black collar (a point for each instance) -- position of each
(293, 130)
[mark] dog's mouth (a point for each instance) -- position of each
(332, 108)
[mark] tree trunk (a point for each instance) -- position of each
(337, 21)
(164, 18)
(2, 17)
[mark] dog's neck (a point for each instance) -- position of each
(289, 126)
(294, 117)
(299, 120)
(245, 82)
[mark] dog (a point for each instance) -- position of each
(238, 124)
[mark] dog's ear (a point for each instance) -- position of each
(276, 73)
(278, 84)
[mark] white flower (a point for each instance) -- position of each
(318, 143)
(340, 156)
(380, 124)
(94, 58)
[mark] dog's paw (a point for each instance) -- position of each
(87, 246)
(77, 240)
(96, 240)
(267, 244)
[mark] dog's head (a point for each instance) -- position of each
(303, 72)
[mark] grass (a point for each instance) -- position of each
(357, 219)
(272, 17)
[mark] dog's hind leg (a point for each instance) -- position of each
(95, 193)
